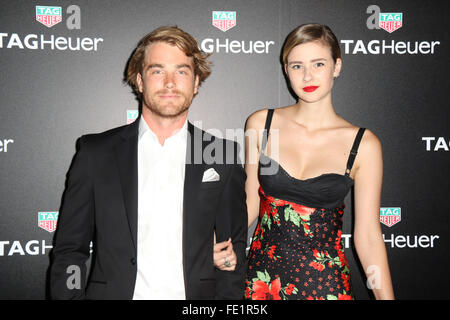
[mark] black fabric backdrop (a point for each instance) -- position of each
(61, 81)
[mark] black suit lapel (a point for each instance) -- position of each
(193, 171)
(127, 162)
(194, 161)
(193, 175)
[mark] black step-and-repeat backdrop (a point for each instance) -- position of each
(61, 75)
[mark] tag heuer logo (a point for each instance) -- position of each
(391, 21)
(48, 16)
(48, 220)
(132, 116)
(224, 20)
(390, 216)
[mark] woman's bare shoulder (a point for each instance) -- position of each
(257, 119)
(369, 139)
(369, 152)
(369, 146)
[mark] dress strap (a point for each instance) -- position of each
(267, 129)
(354, 151)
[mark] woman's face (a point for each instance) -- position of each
(311, 70)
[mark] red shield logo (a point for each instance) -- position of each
(391, 21)
(390, 216)
(48, 220)
(224, 20)
(48, 16)
(390, 26)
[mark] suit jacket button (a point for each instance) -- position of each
(133, 261)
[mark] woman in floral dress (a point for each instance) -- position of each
(305, 162)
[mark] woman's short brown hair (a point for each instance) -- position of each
(174, 36)
(311, 32)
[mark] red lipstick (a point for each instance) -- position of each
(310, 88)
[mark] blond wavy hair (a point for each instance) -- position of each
(174, 36)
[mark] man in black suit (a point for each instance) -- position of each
(151, 195)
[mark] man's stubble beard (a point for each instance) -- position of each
(168, 111)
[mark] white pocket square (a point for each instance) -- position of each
(210, 175)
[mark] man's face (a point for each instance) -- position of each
(167, 82)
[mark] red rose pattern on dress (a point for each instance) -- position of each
(297, 253)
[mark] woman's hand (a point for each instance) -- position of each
(224, 256)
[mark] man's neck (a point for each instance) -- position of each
(164, 127)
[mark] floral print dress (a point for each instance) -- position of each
(297, 253)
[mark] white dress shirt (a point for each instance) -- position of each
(160, 215)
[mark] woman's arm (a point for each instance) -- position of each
(253, 136)
(367, 236)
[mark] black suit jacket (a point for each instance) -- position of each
(100, 205)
